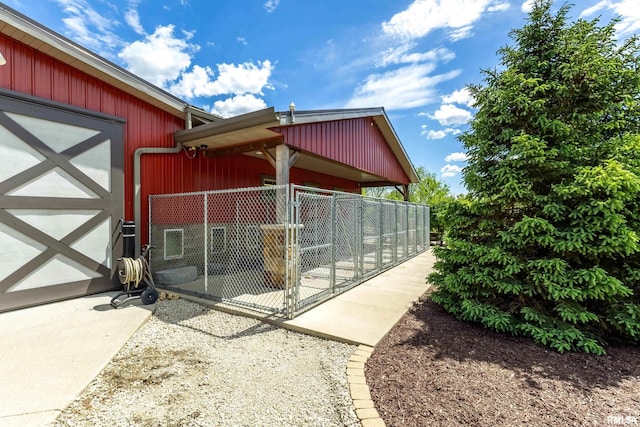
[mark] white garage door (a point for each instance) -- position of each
(61, 182)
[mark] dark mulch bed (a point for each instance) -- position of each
(434, 370)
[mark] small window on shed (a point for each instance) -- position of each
(218, 240)
(173, 243)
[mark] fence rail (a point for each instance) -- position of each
(278, 249)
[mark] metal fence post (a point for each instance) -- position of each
(395, 233)
(406, 231)
(360, 244)
(206, 243)
(333, 244)
(427, 227)
(290, 254)
(380, 234)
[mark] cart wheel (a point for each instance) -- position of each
(149, 296)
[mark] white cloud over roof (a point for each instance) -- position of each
(132, 18)
(424, 16)
(237, 105)
(406, 87)
(400, 55)
(449, 114)
(160, 57)
(408, 78)
(90, 28)
(230, 79)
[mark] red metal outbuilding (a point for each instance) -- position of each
(50, 85)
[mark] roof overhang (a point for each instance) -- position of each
(239, 131)
(31, 33)
(251, 134)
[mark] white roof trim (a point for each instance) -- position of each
(79, 53)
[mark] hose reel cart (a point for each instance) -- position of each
(134, 273)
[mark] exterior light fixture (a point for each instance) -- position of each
(2, 60)
(292, 117)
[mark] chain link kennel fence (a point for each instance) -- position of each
(278, 249)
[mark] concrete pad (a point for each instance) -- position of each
(50, 353)
(346, 321)
(391, 297)
(366, 313)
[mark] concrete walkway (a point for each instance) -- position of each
(365, 314)
(50, 353)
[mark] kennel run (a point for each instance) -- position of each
(278, 249)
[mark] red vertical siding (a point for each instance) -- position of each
(355, 142)
(33, 73)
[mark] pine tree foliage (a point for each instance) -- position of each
(547, 243)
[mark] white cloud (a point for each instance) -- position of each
(400, 55)
(424, 16)
(407, 87)
(243, 78)
(90, 28)
(500, 7)
(242, 40)
(456, 157)
(133, 19)
(450, 170)
(461, 33)
(527, 6)
(160, 57)
(449, 114)
(271, 5)
(237, 105)
(627, 10)
(436, 134)
(462, 97)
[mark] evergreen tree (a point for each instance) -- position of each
(547, 243)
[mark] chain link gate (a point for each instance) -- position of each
(278, 249)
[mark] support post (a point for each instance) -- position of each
(284, 160)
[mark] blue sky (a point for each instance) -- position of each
(413, 57)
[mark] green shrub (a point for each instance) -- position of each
(547, 242)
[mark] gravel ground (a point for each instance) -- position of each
(191, 366)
